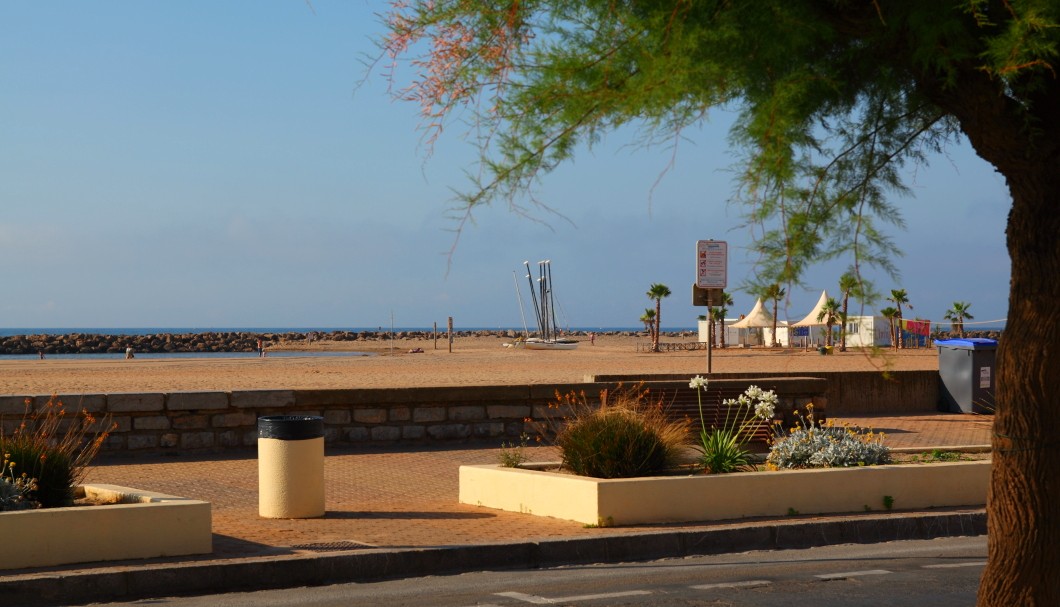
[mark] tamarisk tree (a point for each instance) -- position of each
(834, 98)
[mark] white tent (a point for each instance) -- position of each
(757, 317)
(811, 318)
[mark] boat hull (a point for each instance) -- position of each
(532, 344)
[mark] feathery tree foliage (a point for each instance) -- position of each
(834, 98)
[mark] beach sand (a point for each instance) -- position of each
(473, 361)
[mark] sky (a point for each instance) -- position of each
(234, 164)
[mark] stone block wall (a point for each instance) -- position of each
(217, 421)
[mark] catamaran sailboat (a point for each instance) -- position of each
(545, 312)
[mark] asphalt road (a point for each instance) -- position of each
(936, 573)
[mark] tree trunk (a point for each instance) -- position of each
(658, 325)
(843, 333)
(1024, 501)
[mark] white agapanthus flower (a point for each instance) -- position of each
(764, 410)
(698, 383)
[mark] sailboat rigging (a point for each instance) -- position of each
(543, 300)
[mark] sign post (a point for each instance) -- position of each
(712, 268)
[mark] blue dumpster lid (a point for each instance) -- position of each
(971, 343)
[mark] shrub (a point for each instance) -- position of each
(514, 455)
(626, 436)
(815, 445)
(54, 450)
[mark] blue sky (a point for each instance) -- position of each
(214, 164)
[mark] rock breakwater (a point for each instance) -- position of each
(221, 341)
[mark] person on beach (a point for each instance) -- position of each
(128, 352)
(592, 338)
(261, 349)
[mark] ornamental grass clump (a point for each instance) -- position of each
(628, 435)
(811, 444)
(724, 448)
(52, 450)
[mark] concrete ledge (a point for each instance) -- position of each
(676, 499)
(143, 525)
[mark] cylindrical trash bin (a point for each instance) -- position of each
(966, 374)
(291, 466)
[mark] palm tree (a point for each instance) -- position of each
(717, 317)
(899, 297)
(890, 314)
(774, 293)
(648, 318)
(849, 284)
(956, 316)
(657, 291)
(829, 315)
(718, 313)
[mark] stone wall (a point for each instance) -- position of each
(216, 421)
(847, 392)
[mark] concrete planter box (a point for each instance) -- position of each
(676, 499)
(144, 525)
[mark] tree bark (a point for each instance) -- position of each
(658, 325)
(1024, 500)
(1022, 141)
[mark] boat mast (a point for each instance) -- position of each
(519, 296)
(552, 300)
(533, 296)
(543, 284)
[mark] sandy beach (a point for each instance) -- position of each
(473, 361)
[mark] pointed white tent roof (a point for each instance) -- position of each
(757, 317)
(811, 318)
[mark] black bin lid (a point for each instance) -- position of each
(291, 427)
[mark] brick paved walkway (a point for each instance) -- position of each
(408, 498)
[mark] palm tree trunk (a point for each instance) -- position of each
(775, 305)
(843, 333)
(1023, 512)
(899, 336)
(658, 325)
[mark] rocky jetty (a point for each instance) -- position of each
(84, 343)
(224, 341)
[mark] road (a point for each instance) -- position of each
(939, 573)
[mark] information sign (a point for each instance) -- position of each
(712, 262)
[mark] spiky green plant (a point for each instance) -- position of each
(54, 449)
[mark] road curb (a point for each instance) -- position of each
(133, 582)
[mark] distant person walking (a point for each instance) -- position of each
(592, 339)
(128, 352)
(261, 349)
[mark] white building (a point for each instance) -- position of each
(734, 337)
(867, 331)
